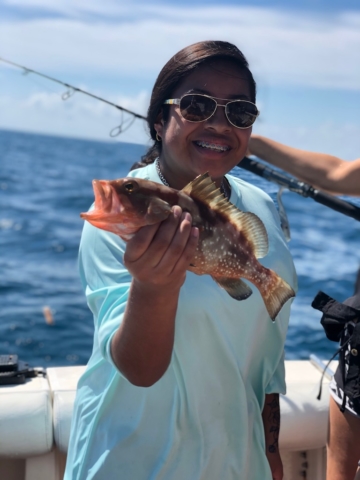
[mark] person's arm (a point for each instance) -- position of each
(157, 258)
(271, 420)
(323, 171)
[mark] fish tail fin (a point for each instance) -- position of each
(275, 297)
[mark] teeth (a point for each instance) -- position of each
(213, 146)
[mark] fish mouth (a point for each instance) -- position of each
(106, 203)
(215, 147)
(104, 197)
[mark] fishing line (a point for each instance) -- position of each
(71, 90)
(301, 188)
(40, 83)
(281, 179)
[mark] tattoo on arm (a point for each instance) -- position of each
(274, 423)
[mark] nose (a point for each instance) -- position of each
(219, 120)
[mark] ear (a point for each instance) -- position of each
(159, 124)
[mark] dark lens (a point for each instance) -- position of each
(242, 114)
(197, 108)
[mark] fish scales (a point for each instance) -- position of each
(230, 241)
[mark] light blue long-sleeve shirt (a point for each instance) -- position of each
(202, 419)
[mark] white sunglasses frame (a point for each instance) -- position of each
(176, 101)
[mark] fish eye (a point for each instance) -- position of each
(129, 187)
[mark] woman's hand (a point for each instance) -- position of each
(276, 465)
(159, 255)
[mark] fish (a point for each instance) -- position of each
(230, 241)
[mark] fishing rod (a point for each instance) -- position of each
(253, 166)
(301, 188)
(71, 90)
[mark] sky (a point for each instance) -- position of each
(305, 57)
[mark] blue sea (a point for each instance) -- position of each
(45, 182)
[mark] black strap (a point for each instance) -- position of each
(341, 322)
(331, 359)
(335, 315)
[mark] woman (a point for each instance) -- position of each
(183, 381)
(339, 177)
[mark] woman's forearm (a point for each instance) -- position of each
(324, 171)
(271, 420)
(142, 346)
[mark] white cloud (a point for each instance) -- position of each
(44, 101)
(117, 47)
(73, 8)
(79, 117)
(283, 48)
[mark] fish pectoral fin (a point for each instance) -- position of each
(158, 210)
(236, 288)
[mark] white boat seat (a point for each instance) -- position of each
(303, 417)
(26, 427)
(63, 382)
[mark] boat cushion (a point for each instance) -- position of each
(304, 419)
(26, 418)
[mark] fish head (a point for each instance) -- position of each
(125, 205)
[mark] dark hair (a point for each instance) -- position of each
(176, 69)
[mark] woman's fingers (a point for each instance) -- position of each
(182, 247)
(168, 241)
(142, 242)
(156, 253)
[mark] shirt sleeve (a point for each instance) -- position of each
(278, 259)
(106, 282)
(277, 383)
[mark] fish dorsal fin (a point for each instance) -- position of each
(204, 179)
(204, 189)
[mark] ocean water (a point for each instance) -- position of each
(45, 182)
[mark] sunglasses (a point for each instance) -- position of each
(196, 107)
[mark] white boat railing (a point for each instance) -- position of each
(35, 423)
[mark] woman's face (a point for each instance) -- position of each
(186, 146)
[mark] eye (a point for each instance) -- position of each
(129, 187)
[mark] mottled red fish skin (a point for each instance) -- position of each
(140, 199)
(223, 250)
(227, 241)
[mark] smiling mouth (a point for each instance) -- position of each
(212, 146)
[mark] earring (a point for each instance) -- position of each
(158, 138)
